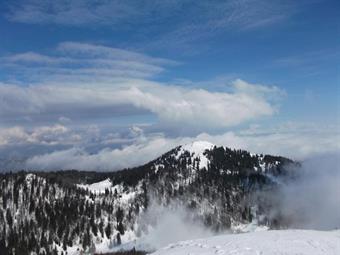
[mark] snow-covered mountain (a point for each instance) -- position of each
(275, 242)
(220, 188)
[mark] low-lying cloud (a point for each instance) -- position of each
(136, 148)
(312, 199)
(170, 224)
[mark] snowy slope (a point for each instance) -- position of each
(197, 147)
(196, 150)
(98, 187)
(279, 242)
(124, 195)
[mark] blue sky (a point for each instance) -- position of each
(76, 74)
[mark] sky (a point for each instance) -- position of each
(104, 85)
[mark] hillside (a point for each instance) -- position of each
(220, 188)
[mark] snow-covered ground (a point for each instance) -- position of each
(275, 242)
(98, 187)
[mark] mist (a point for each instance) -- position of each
(312, 199)
(170, 224)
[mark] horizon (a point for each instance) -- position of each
(201, 146)
(111, 85)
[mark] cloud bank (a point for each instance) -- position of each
(85, 82)
(173, 105)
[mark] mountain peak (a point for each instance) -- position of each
(198, 147)
(196, 150)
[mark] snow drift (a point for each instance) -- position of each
(276, 242)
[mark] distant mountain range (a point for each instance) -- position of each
(78, 211)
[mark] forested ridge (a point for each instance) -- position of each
(48, 212)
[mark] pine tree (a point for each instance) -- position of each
(120, 228)
(108, 231)
(119, 241)
(9, 218)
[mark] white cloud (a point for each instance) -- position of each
(83, 82)
(173, 105)
(43, 135)
(257, 89)
(72, 61)
(141, 151)
(86, 50)
(32, 57)
(12, 135)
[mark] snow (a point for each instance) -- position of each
(196, 149)
(29, 177)
(249, 227)
(124, 196)
(263, 167)
(98, 187)
(275, 242)
(71, 250)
